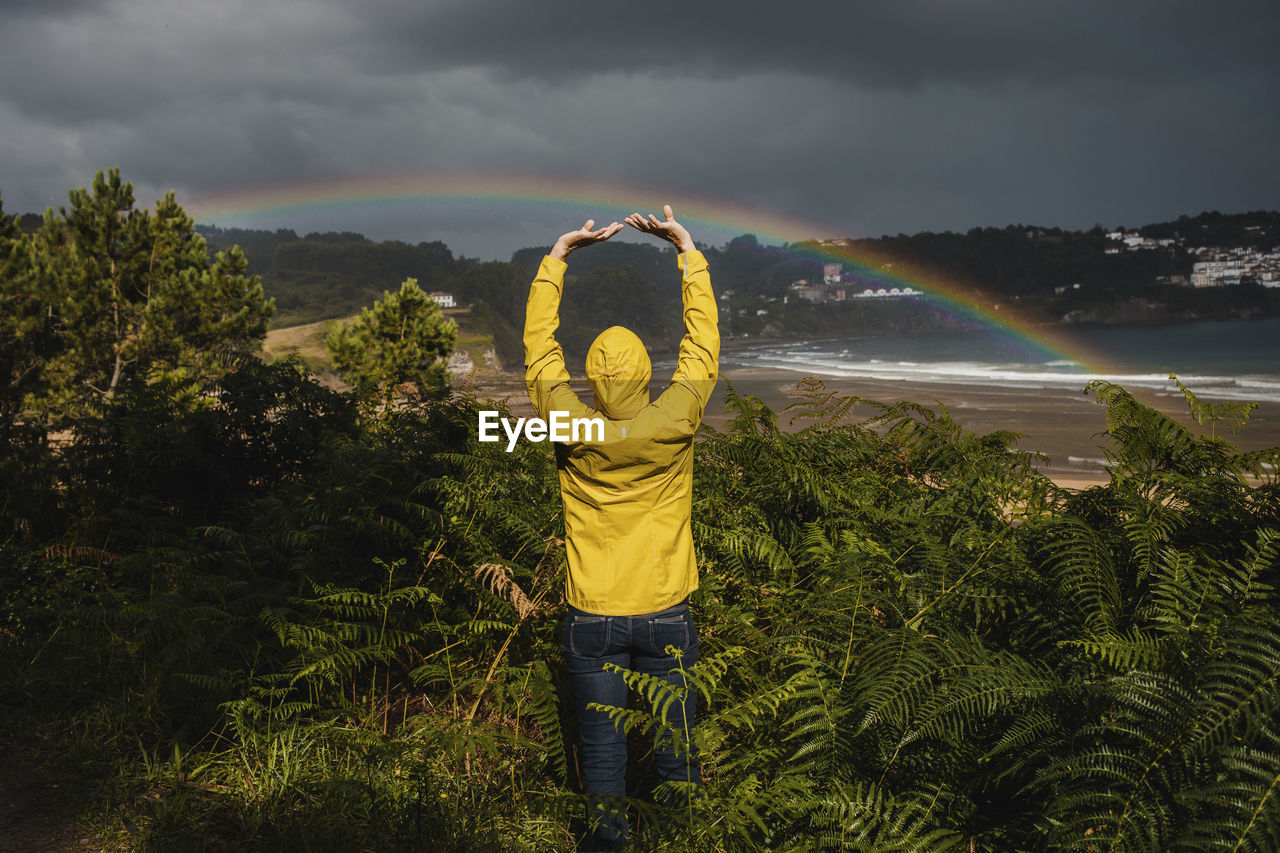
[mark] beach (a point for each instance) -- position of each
(1064, 424)
(1067, 427)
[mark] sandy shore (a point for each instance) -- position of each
(1066, 426)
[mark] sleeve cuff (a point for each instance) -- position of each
(691, 261)
(553, 267)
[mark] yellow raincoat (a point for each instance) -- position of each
(627, 500)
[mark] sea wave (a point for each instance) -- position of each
(1060, 374)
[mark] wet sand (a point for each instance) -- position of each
(1065, 425)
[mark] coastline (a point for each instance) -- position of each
(1066, 426)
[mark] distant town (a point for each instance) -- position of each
(836, 286)
(1217, 266)
(1212, 266)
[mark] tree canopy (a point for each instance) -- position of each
(396, 348)
(122, 296)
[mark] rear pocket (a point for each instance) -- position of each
(589, 635)
(669, 631)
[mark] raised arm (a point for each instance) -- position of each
(698, 366)
(545, 376)
(699, 360)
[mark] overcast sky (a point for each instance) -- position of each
(860, 118)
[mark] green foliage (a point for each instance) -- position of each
(124, 297)
(324, 276)
(297, 629)
(396, 348)
(26, 338)
(1237, 412)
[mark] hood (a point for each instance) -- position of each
(619, 370)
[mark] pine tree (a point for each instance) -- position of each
(24, 328)
(396, 348)
(133, 298)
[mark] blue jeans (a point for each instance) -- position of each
(636, 643)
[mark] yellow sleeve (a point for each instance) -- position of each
(545, 374)
(698, 364)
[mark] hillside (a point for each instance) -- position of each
(1048, 275)
(474, 353)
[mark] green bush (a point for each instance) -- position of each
(338, 633)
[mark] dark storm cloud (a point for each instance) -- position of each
(858, 117)
(893, 45)
(44, 8)
(125, 58)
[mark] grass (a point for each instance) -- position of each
(307, 340)
(474, 338)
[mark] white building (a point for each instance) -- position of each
(873, 293)
(444, 300)
(1215, 273)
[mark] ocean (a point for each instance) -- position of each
(1218, 360)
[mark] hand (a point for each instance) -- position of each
(670, 230)
(584, 236)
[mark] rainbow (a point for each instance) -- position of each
(550, 198)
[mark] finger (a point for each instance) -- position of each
(586, 226)
(605, 233)
(670, 214)
(656, 224)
